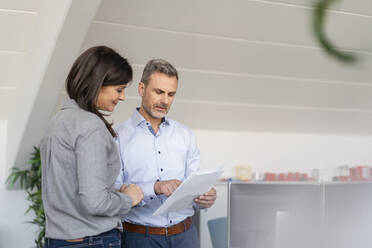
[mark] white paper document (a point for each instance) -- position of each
(196, 184)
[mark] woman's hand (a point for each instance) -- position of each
(134, 192)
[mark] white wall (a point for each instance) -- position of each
(282, 152)
(14, 231)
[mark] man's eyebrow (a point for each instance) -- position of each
(157, 89)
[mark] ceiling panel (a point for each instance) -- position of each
(356, 6)
(363, 7)
(18, 29)
(260, 119)
(10, 68)
(26, 5)
(265, 21)
(249, 89)
(349, 31)
(225, 55)
(273, 91)
(7, 99)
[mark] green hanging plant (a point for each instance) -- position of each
(319, 20)
(30, 180)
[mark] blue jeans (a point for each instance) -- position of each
(110, 239)
(187, 239)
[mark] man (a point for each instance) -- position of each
(158, 154)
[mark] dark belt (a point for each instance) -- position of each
(172, 230)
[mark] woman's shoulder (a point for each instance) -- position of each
(78, 121)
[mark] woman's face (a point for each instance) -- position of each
(109, 96)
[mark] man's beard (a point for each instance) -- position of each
(156, 114)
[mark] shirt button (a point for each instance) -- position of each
(170, 221)
(161, 169)
(147, 123)
(151, 198)
(159, 152)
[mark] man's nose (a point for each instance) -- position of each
(165, 100)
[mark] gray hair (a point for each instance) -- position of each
(160, 66)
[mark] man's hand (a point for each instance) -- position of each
(134, 192)
(206, 200)
(166, 187)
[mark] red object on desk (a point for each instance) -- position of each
(297, 176)
(281, 177)
(353, 174)
(290, 176)
(273, 177)
(359, 173)
(304, 177)
(267, 176)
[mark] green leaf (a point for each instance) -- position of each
(30, 181)
(319, 20)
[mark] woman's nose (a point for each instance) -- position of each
(122, 96)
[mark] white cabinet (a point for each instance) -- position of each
(306, 215)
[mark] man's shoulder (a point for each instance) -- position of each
(180, 127)
(124, 127)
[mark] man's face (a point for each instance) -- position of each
(158, 94)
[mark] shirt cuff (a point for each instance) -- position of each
(197, 206)
(117, 186)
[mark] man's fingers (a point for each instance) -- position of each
(204, 203)
(170, 189)
(206, 198)
(167, 187)
(212, 191)
(175, 183)
(166, 190)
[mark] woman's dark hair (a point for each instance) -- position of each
(96, 67)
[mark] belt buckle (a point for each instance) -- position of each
(166, 231)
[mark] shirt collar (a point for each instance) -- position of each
(69, 104)
(138, 118)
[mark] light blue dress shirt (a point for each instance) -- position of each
(147, 157)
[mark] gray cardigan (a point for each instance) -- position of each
(80, 163)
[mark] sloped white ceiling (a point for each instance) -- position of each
(249, 65)
(60, 28)
(17, 19)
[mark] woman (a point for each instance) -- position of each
(80, 161)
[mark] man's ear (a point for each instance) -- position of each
(141, 88)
